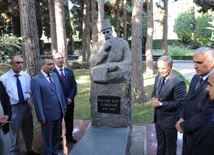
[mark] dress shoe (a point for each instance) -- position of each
(33, 152)
(71, 140)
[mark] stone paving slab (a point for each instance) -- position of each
(103, 141)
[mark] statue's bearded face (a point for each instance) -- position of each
(107, 34)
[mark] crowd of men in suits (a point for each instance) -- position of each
(190, 113)
(53, 91)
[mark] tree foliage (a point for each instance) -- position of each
(9, 46)
(202, 22)
(185, 21)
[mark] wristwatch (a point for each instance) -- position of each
(160, 103)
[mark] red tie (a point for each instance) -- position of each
(62, 75)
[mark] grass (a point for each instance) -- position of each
(176, 51)
(142, 113)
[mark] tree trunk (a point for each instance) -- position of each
(60, 29)
(30, 33)
(118, 18)
(101, 14)
(165, 28)
(137, 73)
(52, 26)
(94, 22)
(86, 31)
(149, 38)
(125, 20)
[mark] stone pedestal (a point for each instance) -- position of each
(111, 104)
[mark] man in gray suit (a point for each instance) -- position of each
(167, 97)
(49, 105)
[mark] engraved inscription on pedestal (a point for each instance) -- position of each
(108, 104)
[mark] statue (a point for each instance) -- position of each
(111, 58)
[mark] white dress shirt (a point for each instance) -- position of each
(9, 81)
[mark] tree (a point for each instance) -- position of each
(94, 22)
(60, 29)
(165, 28)
(52, 26)
(86, 31)
(149, 38)
(124, 19)
(29, 32)
(137, 74)
(205, 5)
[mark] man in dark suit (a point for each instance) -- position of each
(49, 105)
(167, 97)
(204, 141)
(69, 87)
(5, 115)
(197, 105)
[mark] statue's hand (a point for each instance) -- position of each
(112, 68)
(107, 45)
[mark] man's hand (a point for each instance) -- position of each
(4, 120)
(69, 101)
(177, 125)
(155, 102)
(43, 122)
(107, 45)
(112, 68)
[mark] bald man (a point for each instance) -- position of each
(17, 84)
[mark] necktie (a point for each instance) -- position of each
(199, 83)
(51, 81)
(162, 83)
(19, 88)
(62, 75)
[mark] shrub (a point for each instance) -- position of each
(201, 26)
(9, 46)
(185, 21)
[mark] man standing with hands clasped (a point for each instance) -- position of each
(196, 107)
(17, 84)
(69, 87)
(49, 105)
(167, 97)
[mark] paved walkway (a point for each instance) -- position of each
(185, 67)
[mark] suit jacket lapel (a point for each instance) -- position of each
(201, 135)
(44, 79)
(169, 81)
(192, 92)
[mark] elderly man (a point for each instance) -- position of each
(110, 59)
(167, 97)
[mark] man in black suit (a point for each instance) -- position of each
(204, 141)
(5, 115)
(167, 97)
(197, 105)
(69, 86)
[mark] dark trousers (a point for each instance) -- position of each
(166, 140)
(51, 133)
(69, 118)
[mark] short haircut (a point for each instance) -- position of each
(42, 59)
(166, 58)
(209, 52)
